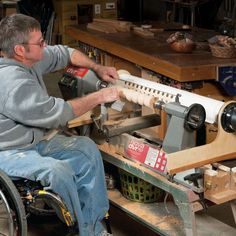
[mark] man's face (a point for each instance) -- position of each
(34, 47)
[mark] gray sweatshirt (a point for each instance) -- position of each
(27, 112)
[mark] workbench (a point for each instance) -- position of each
(123, 50)
(154, 54)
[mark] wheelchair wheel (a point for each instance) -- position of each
(13, 220)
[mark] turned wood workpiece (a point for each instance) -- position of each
(222, 148)
(136, 97)
(84, 119)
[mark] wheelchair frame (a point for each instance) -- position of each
(17, 201)
(10, 201)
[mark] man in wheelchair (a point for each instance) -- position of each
(32, 146)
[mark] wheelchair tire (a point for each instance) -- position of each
(9, 195)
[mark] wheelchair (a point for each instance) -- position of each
(19, 198)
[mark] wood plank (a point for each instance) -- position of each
(143, 33)
(85, 119)
(222, 148)
(164, 218)
(155, 215)
(223, 197)
(122, 26)
(105, 28)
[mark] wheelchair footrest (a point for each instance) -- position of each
(56, 201)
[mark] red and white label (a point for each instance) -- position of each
(161, 161)
(143, 153)
(76, 71)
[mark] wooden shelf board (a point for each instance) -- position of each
(165, 220)
(147, 213)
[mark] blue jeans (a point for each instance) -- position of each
(72, 167)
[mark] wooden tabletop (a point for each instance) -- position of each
(155, 54)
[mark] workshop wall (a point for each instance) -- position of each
(207, 13)
(211, 14)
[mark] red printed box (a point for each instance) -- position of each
(147, 155)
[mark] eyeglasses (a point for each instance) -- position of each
(41, 44)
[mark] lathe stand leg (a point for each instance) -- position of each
(233, 207)
(188, 216)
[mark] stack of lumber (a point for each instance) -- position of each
(109, 25)
(145, 32)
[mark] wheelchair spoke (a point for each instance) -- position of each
(12, 214)
(8, 213)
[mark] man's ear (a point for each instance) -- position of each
(19, 51)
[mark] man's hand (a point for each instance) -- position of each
(106, 73)
(109, 94)
(83, 104)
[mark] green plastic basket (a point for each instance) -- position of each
(136, 189)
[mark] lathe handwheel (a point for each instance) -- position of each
(228, 118)
(195, 117)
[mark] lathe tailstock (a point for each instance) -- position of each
(187, 112)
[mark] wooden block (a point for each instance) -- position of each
(122, 26)
(143, 33)
(101, 27)
(223, 197)
(218, 186)
(81, 120)
(233, 179)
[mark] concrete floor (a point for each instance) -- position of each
(121, 225)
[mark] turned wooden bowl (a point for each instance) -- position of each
(183, 46)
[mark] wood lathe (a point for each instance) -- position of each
(176, 156)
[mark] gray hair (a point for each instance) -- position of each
(15, 29)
